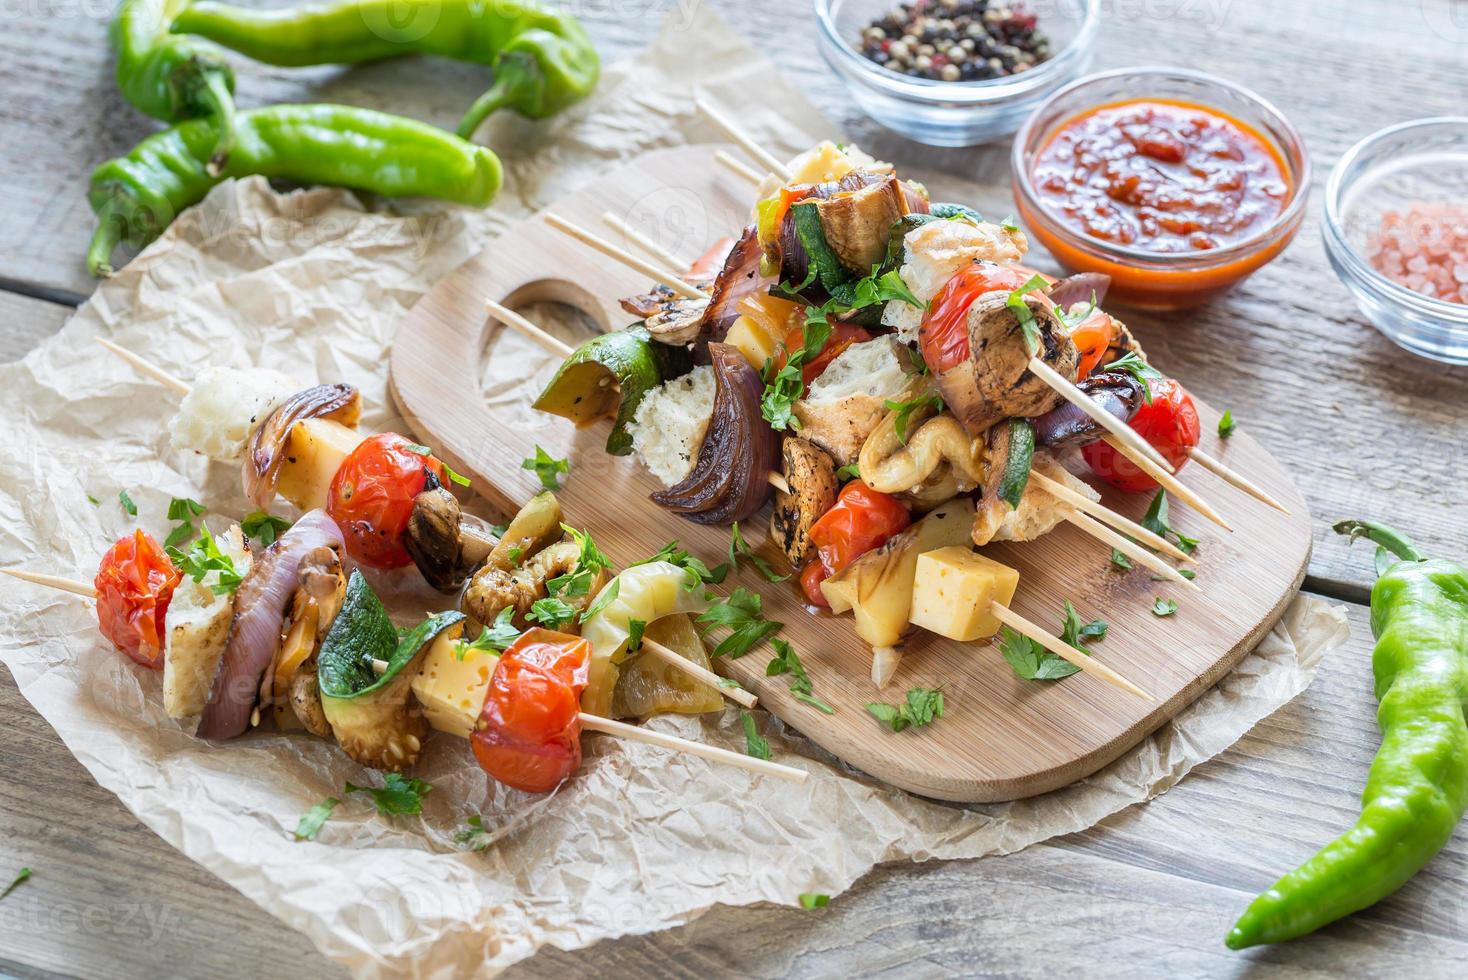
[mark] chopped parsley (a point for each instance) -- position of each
(552, 612)
(1163, 607)
(1033, 662)
(606, 598)
(1120, 560)
(1076, 633)
(94, 500)
(127, 503)
(883, 288)
(814, 900)
(1023, 314)
(1155, 520)
(635, 628)
(315, 818)
(1226, 424)
(589, 563)
(785, 386)
(205, 557)
(848, 472)
(754, 743)
(700, 574)
(1073, 320)
(399, 794)
(264, 527)
(184, 510)
(495, 638)
(22, 876)
(1186, 573)
(740, 614)
(923, 706)
(1009, 225)
(547, 468)
(786, 661)
(448, 471)
(739, 548)
(904, 412)
(1139, 369)
(474, 836)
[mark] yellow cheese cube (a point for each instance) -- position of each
(822, 163)
(452, 690)
(954, 589)
(313, 453)
(756, 343)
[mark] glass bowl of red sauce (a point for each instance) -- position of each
(1175, 183)
(1396, 232)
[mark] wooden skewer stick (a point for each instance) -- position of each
(53, 582)
(1176, 487)
(678, 662)
(729, 163)
(758, 153)
(559, 348)
(1131, 549)
(1065, 651)
(146, 367)
(642, 241)
(1133, 443)
(635, 733)
(1106, 515)
(625, 257)
(1232, 476)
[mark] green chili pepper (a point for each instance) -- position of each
(136, 196)
(170, 77)
(542, 60)
(1418, 786)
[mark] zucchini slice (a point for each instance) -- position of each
(1019, 454)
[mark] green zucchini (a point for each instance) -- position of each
(1019, 454)
(611, 374)
(956, 212)
(823, 261)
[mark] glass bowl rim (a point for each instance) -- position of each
(963, 94)
(1285, 222)
(1365, 275)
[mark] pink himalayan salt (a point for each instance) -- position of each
(1424, 249)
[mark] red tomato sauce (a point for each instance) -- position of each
(1161, 176)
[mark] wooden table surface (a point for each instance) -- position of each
(1368, 430)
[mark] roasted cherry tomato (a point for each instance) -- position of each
(371, 497)
(134, 584)
(1170, 423)
(811, 577)
(1093, 337)
(843, 335)
(943, 336)
(860, 520)
(529, 731)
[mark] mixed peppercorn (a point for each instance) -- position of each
(955, 40)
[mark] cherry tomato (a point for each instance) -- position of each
(860, 520)
(1170, 423)
(1093, 337)
(135, 583)
(943, 336)
(811, 577)
(529, 731)
(843, 335)
(371, 497)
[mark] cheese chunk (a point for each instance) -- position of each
(198, 626)
(452, 691)
(954, 589)
(756, 343)
(313, 454)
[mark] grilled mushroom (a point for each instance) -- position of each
(678, 322)
(443, 545)
(811, 475)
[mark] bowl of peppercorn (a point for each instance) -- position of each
(955, 72)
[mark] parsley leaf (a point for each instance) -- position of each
(1163, 607)
(701, 573)
(1023, 314)
(496, 637)
(310, 825)
(635, 628)
(94, 500)
(1008, 224)
(813, 900)
(1226, 424)
(922, 707)
(1030, 661)
(739, 548)
(848, 472)
(398, 795)
(904, 412)
(1139, 369)
(547, 468)
(264, 527)
(754, 743)
(740, 613)
(20, 878)
(475, 837)
(876, 289)
(1155, 520)
(1076, 633)
(178, 536)
(551, 612)
(786, 661)
(591, 556)
(785, 386)
(184, 509)
(1073, 320)
(1186, 573)
(1120, 560)
(606, 598)
(127, 503)
(205, 557)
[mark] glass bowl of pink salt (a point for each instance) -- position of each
(1396, 232)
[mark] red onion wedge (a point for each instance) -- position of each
(730, 480)
(260, 604)
(265, 450)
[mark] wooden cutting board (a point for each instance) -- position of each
(1002, 738)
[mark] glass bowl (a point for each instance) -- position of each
(1420, 162)
(954, 113)
(1160, 280)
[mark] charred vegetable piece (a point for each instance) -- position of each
(445, 548)
(536, 525)
(649, 686)
(856, 223)
(372, 714)
(610, 375)
(266, 449)
(529, 731)
(729, 481)
(1065, 425)
(811, 475)
(1012, 453)
(861, 520)
(823, 263)
(371, 497)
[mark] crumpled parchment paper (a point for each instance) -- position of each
(312, 284)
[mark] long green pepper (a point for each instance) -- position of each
(542, 60)
(169, 77)
(1417, 789)
(136, 196)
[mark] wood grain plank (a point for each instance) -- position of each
(25, 322)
